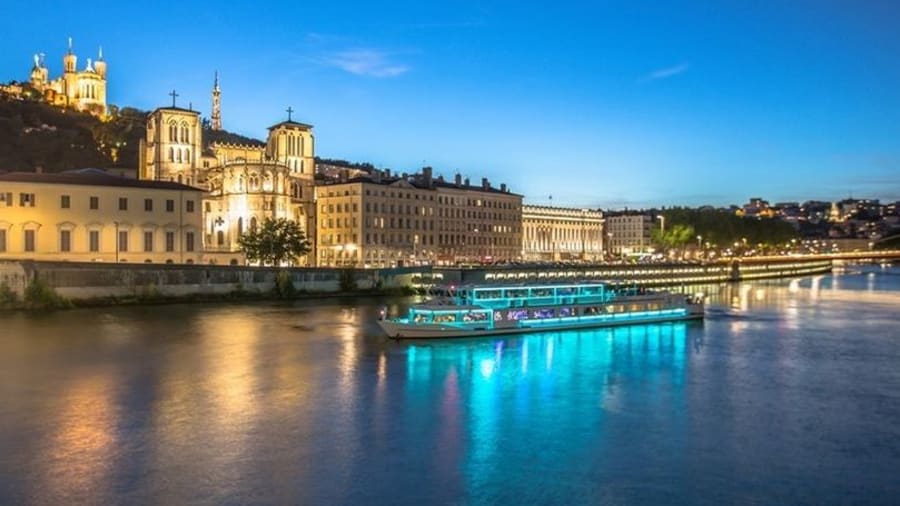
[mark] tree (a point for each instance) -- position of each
(275, 242)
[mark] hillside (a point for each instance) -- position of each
(34, 134)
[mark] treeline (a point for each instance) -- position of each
(720, 228)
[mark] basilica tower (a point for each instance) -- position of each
(216, 118)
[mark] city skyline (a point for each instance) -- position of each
(683, 107)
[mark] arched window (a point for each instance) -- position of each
(187, 155)
(240, 226)
(253, 224)
(179, 178)
(178, 155)
(220, 238)
(171, 154)
(173, 132)
(241, 184)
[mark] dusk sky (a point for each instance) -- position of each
(609, 105)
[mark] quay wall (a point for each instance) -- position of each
(84, 281)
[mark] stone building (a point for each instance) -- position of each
(628, 232)
(245, 184)
(559, 233)
(91, 216)
(384, 220)
(83, 90)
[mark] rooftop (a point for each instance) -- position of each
(89, 177)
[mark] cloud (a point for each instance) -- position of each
(365, 62)
(665, 73)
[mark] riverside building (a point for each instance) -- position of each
(559, 233)
(383, 220)
(628, 232)
(90, 216)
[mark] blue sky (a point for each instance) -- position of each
(607, 104)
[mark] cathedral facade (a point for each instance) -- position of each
(83, 90)
(243, 184)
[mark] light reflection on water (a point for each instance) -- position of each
(788, 392)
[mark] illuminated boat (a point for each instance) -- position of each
(487, 310)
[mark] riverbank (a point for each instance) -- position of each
(42, 285)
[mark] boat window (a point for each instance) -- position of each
(516, 314)
(517, 293)
(542, 292)
(567, 311)
(488, 294)
(542, 313)
(444, 318)
(475, 316)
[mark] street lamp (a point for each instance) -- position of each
(699, 241)
(662, 224)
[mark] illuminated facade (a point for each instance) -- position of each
(628, 232)
(245, 184)
(558, 233)
(83, 90)
(384, 221)
(91, 216)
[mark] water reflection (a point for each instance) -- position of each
(308, 403)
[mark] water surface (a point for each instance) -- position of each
(789, 392)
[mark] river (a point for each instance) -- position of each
(788, 393)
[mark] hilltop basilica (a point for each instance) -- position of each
(83, 90)
(244, 183)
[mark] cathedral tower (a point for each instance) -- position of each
(291, 143)
(172, 148)
(216, 105)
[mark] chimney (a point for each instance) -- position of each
(485, 184)
(458, 179)
(503, 187)
(376, 176)
(440, 178)
(426, 173)
(387, 173)
(467, 181)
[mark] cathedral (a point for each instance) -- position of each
(83, 90)
(244, 184)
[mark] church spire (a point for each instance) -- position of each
(216, 119)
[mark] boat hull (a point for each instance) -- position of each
(400, 330)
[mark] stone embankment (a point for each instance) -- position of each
(39, 284)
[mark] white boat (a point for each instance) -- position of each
(488, 310)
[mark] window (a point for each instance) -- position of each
(123, 240)
(123, 204)
(2, 241)
(29, 240)
(94, 241)
(170, 206)
(26, 200)
(189, 241)
(95, 203)
(170, 241)
(189, 206)
(220, 238)
(65, 201)
(65, 241)
(6, 198)
(148, 205)
(148, 241)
